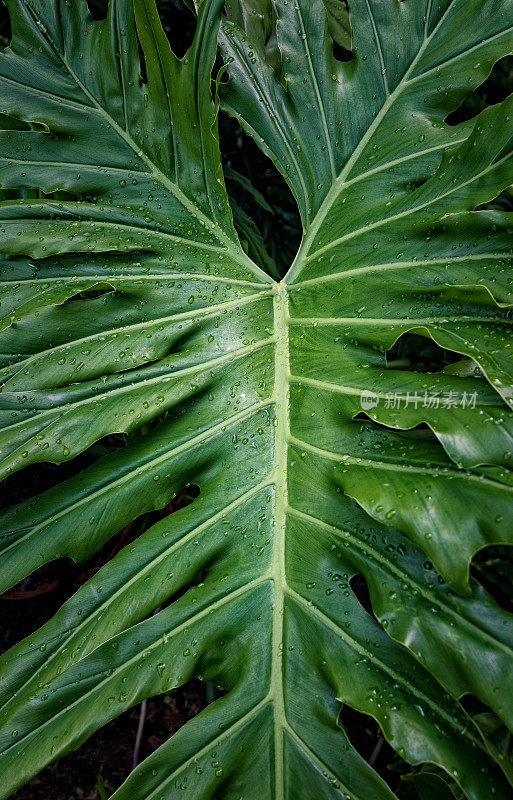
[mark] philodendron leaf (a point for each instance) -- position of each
(133, 309)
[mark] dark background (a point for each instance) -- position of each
(269, 227)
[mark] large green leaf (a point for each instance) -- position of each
(133, 309)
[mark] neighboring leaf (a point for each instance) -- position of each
(338, 21)
(431, 787)
(254, 16)
(249, 234)
(236, 177)
(252, 240)
(257, 19)
(104, 791)
(133, 309)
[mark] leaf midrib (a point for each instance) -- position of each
(282, 432)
